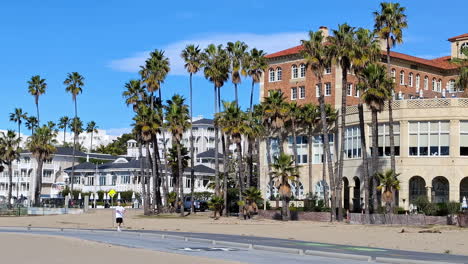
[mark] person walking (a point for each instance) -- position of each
(119, 215)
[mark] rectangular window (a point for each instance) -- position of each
(102, 180)
(188, 183)
(47, 173)
(293, 93)
(327, 89)
(429, 138)
(356, 92)
(349, 89)
(418, 81)
(463, 138)
(272, 75)
(318, 150)
(317, 91)
(384, 139)
(451, 86)
(410, 80)
(352, 142)
(301, 148)
(302, 93)
(279, 74)
(303, 70)
(294, 72)
(125, 179)
(328, 70)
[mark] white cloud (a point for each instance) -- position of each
(268, 42)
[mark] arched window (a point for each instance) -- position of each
(410, 79)
(402, 78)
(434, 84)
(279, 74)
(294, 72)
(302, 70)
(393, 74)
(439, 85)
(418, 81)
(272, 75)
(426, 83)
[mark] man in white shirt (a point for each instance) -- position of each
(119, 215)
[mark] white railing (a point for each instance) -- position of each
(419, 104)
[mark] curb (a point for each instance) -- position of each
(199, 240)
(232, 244)
(279, 249)
(173, 237)
(338, 255)
(408, 261)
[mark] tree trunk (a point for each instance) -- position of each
(250, 158)
(10, 182)
(37, 192)
(390, 116)
(310, 161)
(294, 142)
(64, 132)
(142, 179)
(148, 177)
(156, 179)
(257, 161)
(192, 154)
(365, 165)
(268, 152)
(181, 177)
(284, 208)
(375, 158)
(37, 109)
(235, 92)
(74, 146)
(326, 145)
(251, 96)
(240, 165)
(91, 145)
(225, 173)
(216, 143)
(339, 180)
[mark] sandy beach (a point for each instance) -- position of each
(452, 240)
(59, 250)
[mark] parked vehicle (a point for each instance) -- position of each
(199, 205)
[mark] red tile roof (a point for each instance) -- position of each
(458, 37)
(443, 62)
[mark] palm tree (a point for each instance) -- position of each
(18, 116)
(237, 54)
(376, 88)
(155, 71)
(216, 70)
(37, 87)
(462, 80)
(64, 122)
(367, 51)
(342, 50)
(31, 123)
(215, 204)
(316, 55)
(275, 114)
(74, 85)
(310, 117)
(294, 117)
(283, 173)
(41, 145)
(92, 128)
(134, 93)
(389, 183)
(192, 57)
(233, 122)
(9, 152)
(177, 116)
(254, 131)
(255, 65)
(389, 25)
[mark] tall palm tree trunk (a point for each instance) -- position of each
(142, 178)
(74, 146)
(216, 143)
(375, 159)
(250, 158)
(390, 115)
(251, 96)
(294, 143)
(225, 173)
(257, 161)
(284, 208)
(235, 91)
(156, 179)
(38, 187)
(339, 180)
(240, 165)
(365, 164)
(181, 176)
(327, 161)
(37, 110)
(91, 145)
(192, 152)
(311, 137)
(64, 132)
(10, 182)
(148, 178)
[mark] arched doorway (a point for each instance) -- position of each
(417, 188)
(463, 189)
(297, 190)
(346, 193)
(440, 190)
(357, 195)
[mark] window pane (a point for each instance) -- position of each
(444, 140)
(463, 126)
(413, 140)
(413, 126)
(423, 140)
(434, 126)
(434, 140)
(381, 129)
(397, 140)
(396, 128)
(464, 140)
(444, 126)
(380, 139)
(423, 126)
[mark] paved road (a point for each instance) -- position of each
(150, 239)
(154, 242)
(307, 245)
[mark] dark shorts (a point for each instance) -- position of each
(119, 220)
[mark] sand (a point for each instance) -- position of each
(26, 248)
(451, 240)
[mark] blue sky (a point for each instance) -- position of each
(105, 41)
